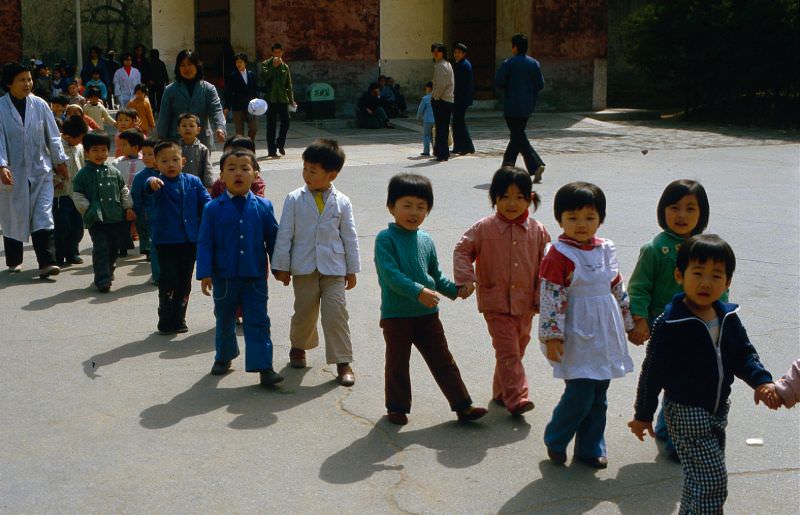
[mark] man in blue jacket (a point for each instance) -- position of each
(521, 77)
(464, 91)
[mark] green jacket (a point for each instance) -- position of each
(276, 83)
(100, 194)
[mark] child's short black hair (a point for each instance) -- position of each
(577, 195)
(126, 55)
(96, 139)
(326, 153)
(130, 113)
(521, 42)
(508, 175)
(166, 143)
(461, 46)
(134, 137)
(440, 47)
(674, 192)
(373, 85)
(141, 87)
(277, 46)
(239, 141)
(238, 152)
(95, 72)
(61, 100)
(149, 143)
(429, 84)
(410, 185)
(242, 56)
(702, 247)
(74, 126)
(184, 116)
(93, 92)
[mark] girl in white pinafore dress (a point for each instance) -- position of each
(584, 317)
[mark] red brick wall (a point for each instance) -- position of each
(577, 29)
(10, 31)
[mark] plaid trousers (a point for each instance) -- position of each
(699, 438)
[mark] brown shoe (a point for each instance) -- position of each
(396, 418)
(522, 408)
(345, 375)
(470, 414)
(297, 358)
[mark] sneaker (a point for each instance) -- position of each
(522, 408)
(297, 358)
(398, 419)
(220, 368)
(270, 377)
(345, 375)
(470, 414)
(15, 269)
(537, 174)
(47, 271)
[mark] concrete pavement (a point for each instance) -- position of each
(101, 415)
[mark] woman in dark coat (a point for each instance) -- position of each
(240, 89)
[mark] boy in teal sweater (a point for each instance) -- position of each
(411, 286)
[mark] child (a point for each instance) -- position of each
(95, 109)
(425, 113)
(411, 281)
(130, 144)
(68, 220)
(74, 95)
(99, 84)
(788, 386)
(59, 105)
(237, 234)
(682, 212)
(141, 104)
(143, 206)
(240, 142)
(584, 316)
(179, 199)
(696, 347)
(76, 110)
(318, 245)
(507, 248)
(196, 155)
(126, 119)
(102, 197)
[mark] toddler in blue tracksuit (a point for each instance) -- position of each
(237, 233)
(425, 113)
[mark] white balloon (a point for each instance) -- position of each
(257, 107)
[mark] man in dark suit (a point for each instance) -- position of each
(464, 91)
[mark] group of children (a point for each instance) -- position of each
(675, 296)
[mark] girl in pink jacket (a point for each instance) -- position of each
(501, 253)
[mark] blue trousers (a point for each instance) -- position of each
(661, 428)
(427, 137)
(581, 413)
(251, 294)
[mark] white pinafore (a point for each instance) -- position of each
(594, 332)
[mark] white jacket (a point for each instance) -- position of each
(124, 84)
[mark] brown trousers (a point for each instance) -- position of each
(427, 334)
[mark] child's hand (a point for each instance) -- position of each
(638, 428)
(130, 215)
(640, 332)
(205, 285)
(155, 183)
(555, 349)
(349, 281)
(428, 298)
(282, 276)
(466, 290)
(767, 394)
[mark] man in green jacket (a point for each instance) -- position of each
(275, 80)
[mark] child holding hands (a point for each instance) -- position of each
(584, 317)
(696, 347)
(411, 284)
(506, 248)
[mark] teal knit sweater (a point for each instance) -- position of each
(406, 263)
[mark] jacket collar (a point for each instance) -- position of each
(677, 310)
(594, 242)
(227, 197)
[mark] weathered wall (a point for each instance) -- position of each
(171, 37)
(10, 31)
(324, 41)
(243, 27)
(513, 17)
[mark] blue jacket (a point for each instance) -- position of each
(143, 203)
(465, 82)
(233, 243)
(682, 360)
(425, 110)
(178, 206)
(521, 78)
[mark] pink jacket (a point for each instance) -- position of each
(789, 385)
(506, 257)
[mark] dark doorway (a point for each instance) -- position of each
(212, 34)
(473, 23)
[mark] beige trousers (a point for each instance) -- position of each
(316, 294)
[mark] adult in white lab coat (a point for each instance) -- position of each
(126, 78)
(30, 151)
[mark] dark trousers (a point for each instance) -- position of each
(156, 92)
(519, 144)
(581, 413)
(251, 294)
(175, 283)
(69, 228)
(427, 334)
(276, 110)
(43, 246)
(462, 141)
(105, 249)
(441, 115)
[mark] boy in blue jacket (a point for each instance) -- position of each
(178, 202)
(237, 234)
(696, 347)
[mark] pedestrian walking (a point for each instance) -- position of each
(463, 93)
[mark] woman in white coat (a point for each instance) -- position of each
(126, 78)
(30, 151)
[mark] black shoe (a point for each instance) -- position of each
(270, 377)
(282, 151)
(75, 260)
(123, 253)
(598, 462)
(165, 331)
(559, 458)
(440, 159)
(48, 270)
(183, 328)
(220, 368)
(272, 154)
(104, 288)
